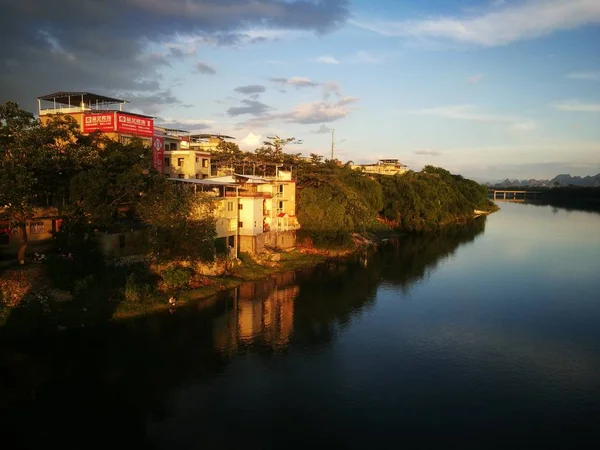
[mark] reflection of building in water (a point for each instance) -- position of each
(261, 312)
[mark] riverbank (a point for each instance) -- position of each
(36, 298)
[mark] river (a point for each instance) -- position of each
(484, 335)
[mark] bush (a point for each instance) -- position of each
(134, 291)
(176, 277)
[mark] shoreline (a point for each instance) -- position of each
(73, 310)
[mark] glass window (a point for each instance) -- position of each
(180, 162)
(204, 162)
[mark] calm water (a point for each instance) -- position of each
(484, 335)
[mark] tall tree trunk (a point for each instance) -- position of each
(24, 240)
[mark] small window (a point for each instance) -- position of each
(229, 206)
(180, 162)
(240, 206)
(36, 227)
(197, 159)
(197, 176)
(167, 162)
(281, 189)
(173, 146)
(204, 162)
(280, 204)
(180, 175)
(241, 224)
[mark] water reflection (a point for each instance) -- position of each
(112, 382)
(260, 312)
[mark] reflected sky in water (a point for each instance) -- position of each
(484, 333)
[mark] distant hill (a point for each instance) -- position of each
(559, 180)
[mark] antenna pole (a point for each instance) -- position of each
(332, 142)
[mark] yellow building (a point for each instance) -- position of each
(383, 167)
(180, 160)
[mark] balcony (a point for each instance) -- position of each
(250, 194)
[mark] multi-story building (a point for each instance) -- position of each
(95, 112)
(383, 167)
(263, 209)
(179, 159)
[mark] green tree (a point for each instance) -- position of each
(180, 223)
(37, 163)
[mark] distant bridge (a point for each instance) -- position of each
(512, 195)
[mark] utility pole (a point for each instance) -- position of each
(332, 142)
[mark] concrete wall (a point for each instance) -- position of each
(251, 216)
(121, 244)
(282, 240)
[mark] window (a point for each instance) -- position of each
(124, 140)
(197, 176)
(36, 227)
(229, 206)
(180, 162)
(197, 159)
(240, 206)
(167, 162)
(281, 190)
(241, 224)
(204, 162)
(280, 206)
(173, 146)
(180, 175)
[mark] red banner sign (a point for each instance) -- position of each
(98, 121)
(140, 126)
(158, 153)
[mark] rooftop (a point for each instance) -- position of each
(64, 98)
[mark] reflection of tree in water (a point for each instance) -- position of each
(335, 292)
(412, 258)
(111, 383)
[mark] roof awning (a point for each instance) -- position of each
(65, 98)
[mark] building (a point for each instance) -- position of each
(207, 142)
(382, 167)
(178, 159)
(95, 112)
(253, 213)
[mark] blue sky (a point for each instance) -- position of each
(488, 89)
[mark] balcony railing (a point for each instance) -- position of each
(250, 194)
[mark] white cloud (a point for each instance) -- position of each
(251, 140)
(427, 152)
(327, 60)
(320, 111)
(298, 82)
(527, 125)
(468, 112)
(365, 57)
(577, 106)
(588, 76)
(475, 78)
(308, 113)
(528, 20)
(498, 3)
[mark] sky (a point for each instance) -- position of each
(489, 89)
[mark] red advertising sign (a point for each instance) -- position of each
(104, 122)
(140, 126)
(158, 153)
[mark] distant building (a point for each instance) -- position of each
(383, 167)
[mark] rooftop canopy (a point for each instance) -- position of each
(71, 98)
(208, 135)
